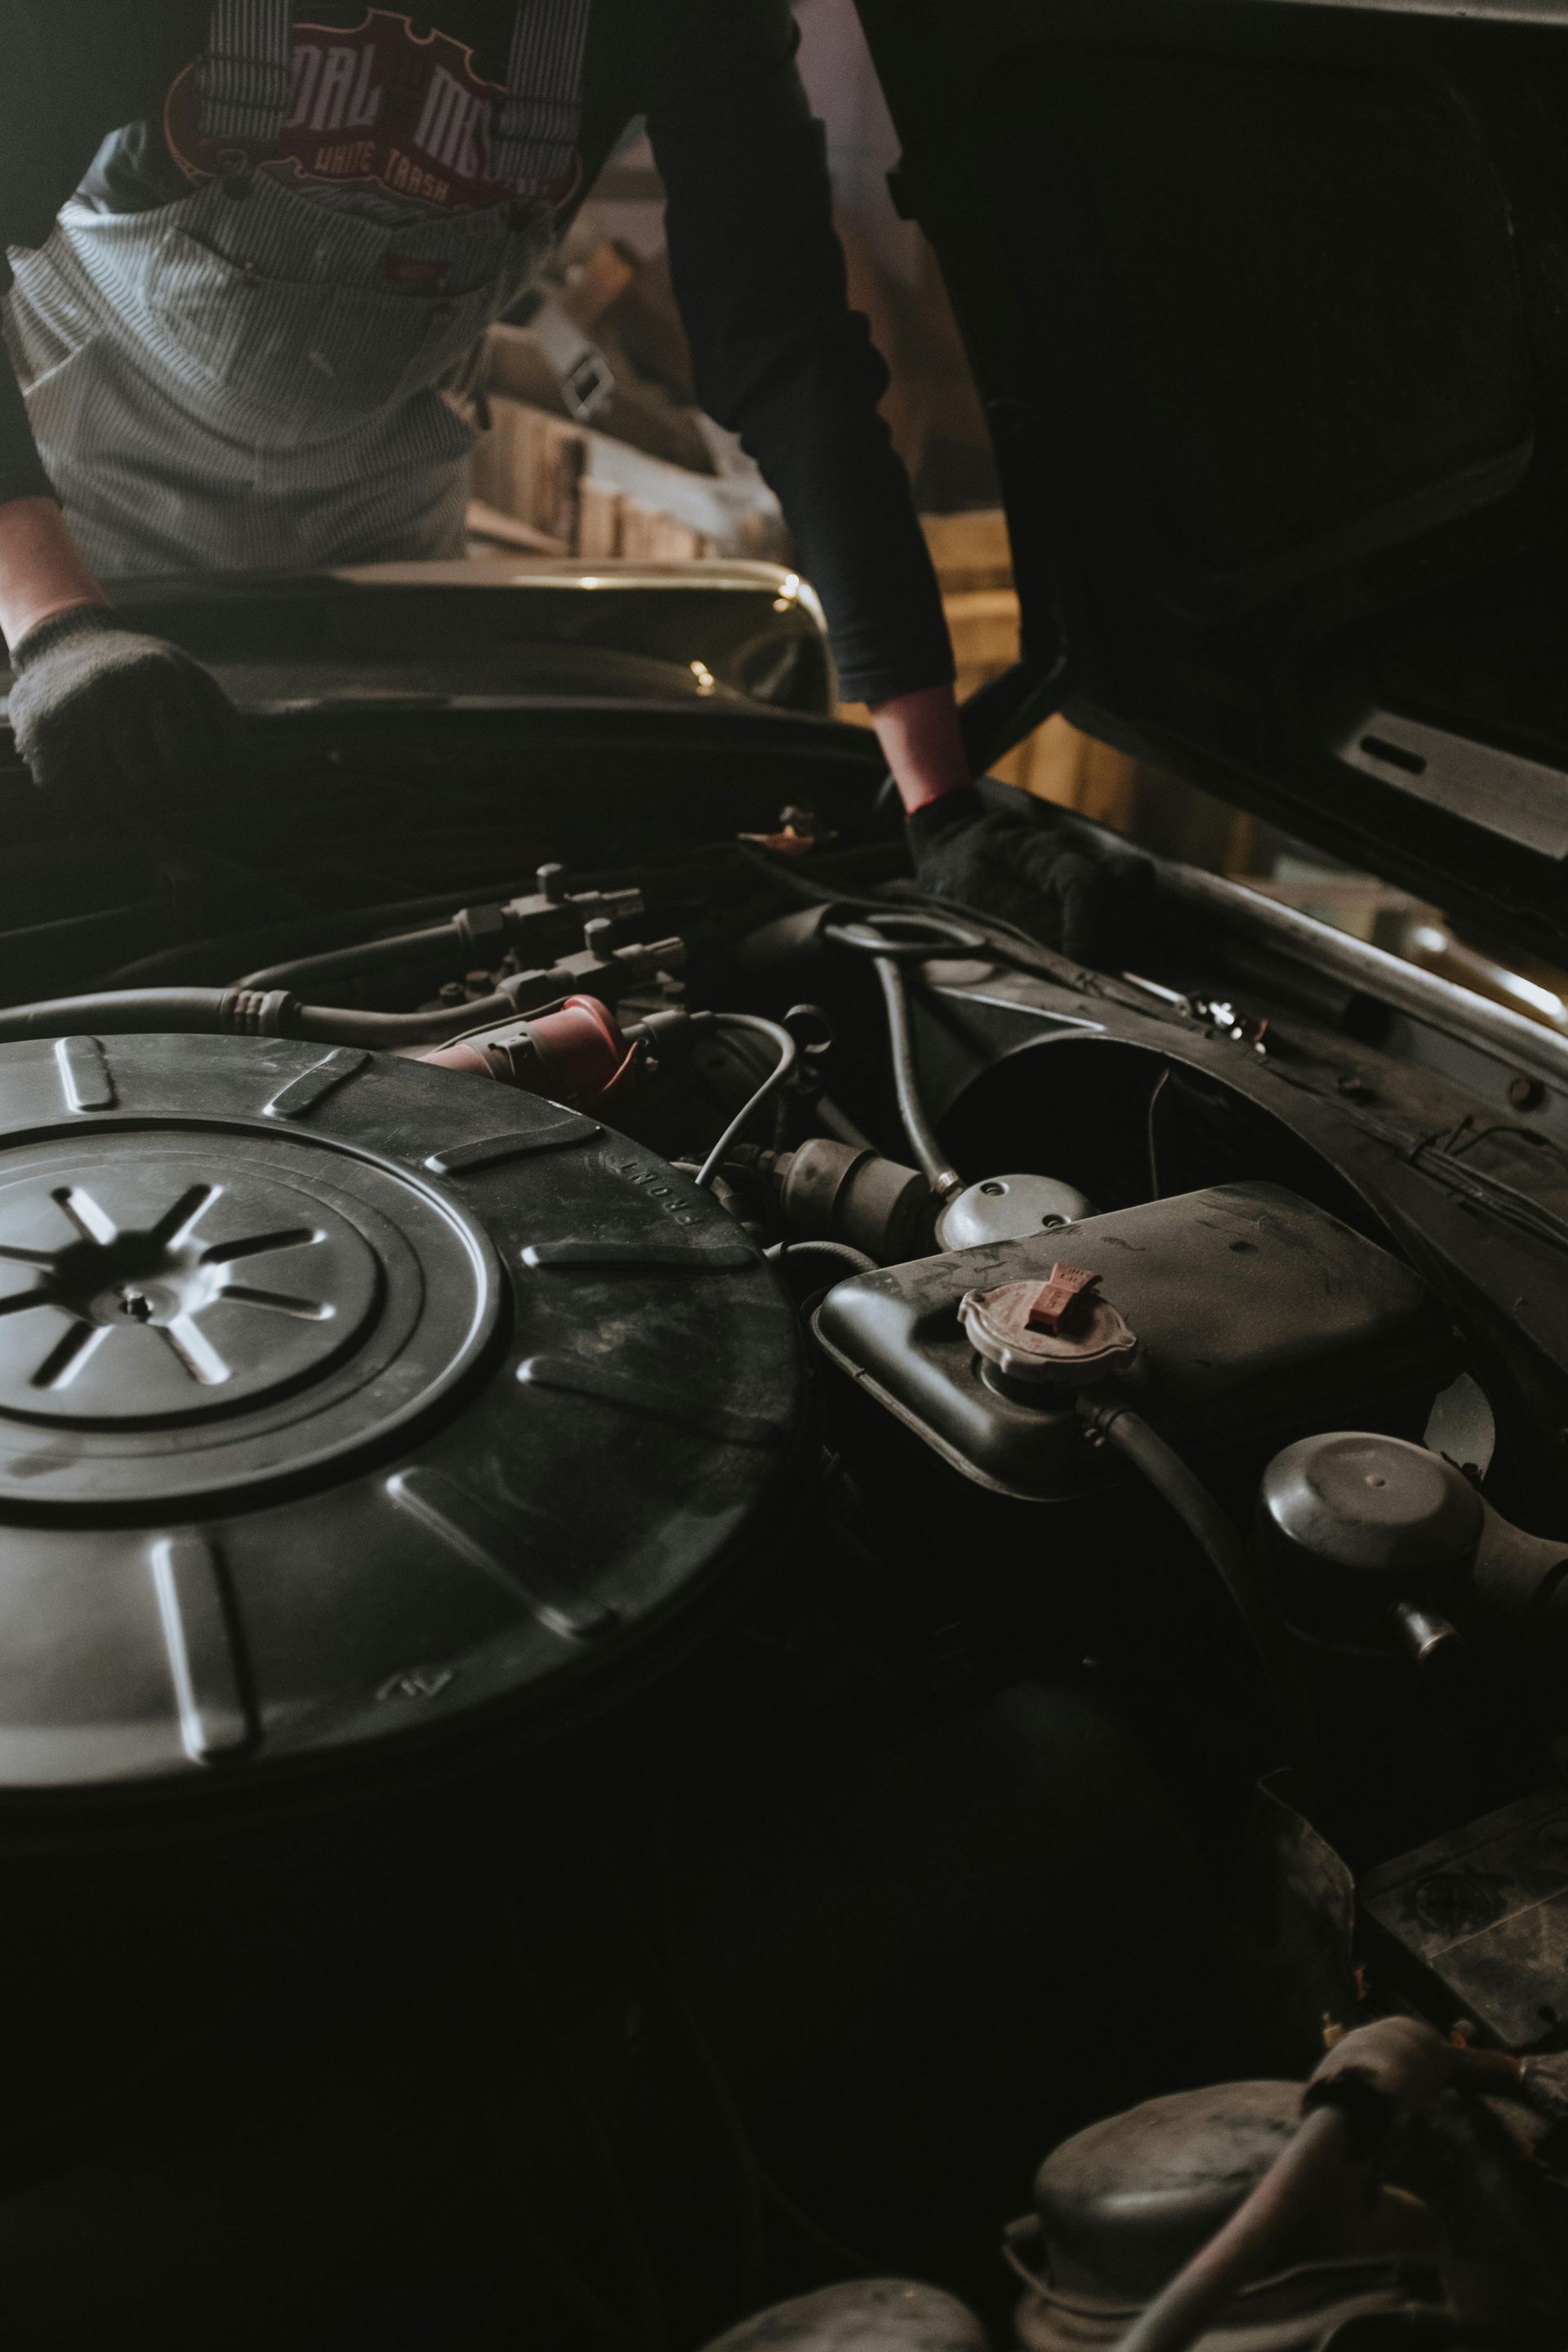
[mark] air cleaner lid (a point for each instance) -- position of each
(345, 1401)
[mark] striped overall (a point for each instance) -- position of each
(250, 379)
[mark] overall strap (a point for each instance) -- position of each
(245, 81)
(541, 121)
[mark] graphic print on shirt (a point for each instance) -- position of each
(382, 121)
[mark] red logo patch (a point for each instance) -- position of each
(382, 118)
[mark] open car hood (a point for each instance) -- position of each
(487, 634)
(1268, 305)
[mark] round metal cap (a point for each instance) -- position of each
(184, 1311)
(1123, 2204)
(1376, 1506)
(150, 1291)
(1009, 1209)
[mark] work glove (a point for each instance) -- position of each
(112, 722)
(1068, 884)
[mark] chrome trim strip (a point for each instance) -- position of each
(1505, 12)
(1442, 1003)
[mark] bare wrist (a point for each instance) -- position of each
(42, 573)
(923, 745)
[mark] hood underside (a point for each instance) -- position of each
(1269, 308)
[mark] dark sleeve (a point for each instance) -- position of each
(59, 64)
(22, 474)
(780, 358)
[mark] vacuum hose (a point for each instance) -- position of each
(1371, 2082)
(938, 1172)
(1212, 1527)
(244, 1012)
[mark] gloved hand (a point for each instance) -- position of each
(1068, 885)
(108, 718)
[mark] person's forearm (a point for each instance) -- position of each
(922, 744)
(41, 572)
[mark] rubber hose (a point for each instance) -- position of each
(1306, 2169)
(1003, 942)
(215, 1012)
(854, 1261)
(126, 1012)
(938, 1170)
(327, 1024)
(789, 1055)
(352, 962)
(304, 935)
(1212, 1527)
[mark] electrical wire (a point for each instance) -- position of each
(181, 1011)
(788, 1061)
(1213, 1530)
(938, 1169)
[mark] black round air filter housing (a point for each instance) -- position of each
(346, 1403)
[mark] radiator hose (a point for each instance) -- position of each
(1369, 2084)
(1212, 1527)
(243, 1013)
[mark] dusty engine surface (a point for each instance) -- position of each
(687, 1568)
(343, 1405)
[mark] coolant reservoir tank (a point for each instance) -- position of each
(1257, 1315)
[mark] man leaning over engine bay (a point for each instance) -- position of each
(246, 254)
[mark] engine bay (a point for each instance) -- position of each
(699, 1558)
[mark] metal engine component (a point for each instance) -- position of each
(580, 1056)
(832, 1193)
(1009, 1209)
(1369, 1536)
(1122, 2207)
(1254, 1312)
(1374, 1539)
(1477, 1921)
(1124, 2204)
(343, 1405)
(865, 2316)
(1371, 1507)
